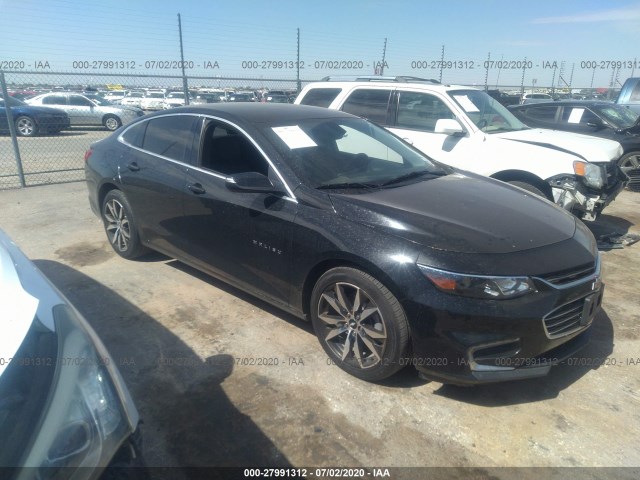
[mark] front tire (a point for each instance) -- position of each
(630, 165)
(112, 123)
(26, 127)
(120, 227)
(359, 323)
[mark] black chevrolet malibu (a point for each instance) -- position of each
(396, 259)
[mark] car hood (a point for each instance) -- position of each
(592, 149)
(460, 213)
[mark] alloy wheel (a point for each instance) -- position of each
(354, 329)
(117, 225)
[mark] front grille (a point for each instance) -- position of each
(564, 320)
(564, 277)
(572, 317)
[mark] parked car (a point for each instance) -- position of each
(466, 128)
(115, 96)
(277, 98)
(629, 95)
(202, 98)
(133, 99)
(600, 119)
(395, 258)
(241, 97)
(175, 99)
(63, 402)
(152, 101)
(83, 112)
(535, 98)
(30, 120)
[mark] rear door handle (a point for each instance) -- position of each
(196, 188)
(133, 166)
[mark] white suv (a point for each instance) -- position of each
(466, 128)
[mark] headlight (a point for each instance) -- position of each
(478, 286)
(83, 423)
(592, 174)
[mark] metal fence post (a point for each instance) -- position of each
(12, 129)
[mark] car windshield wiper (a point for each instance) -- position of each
(410, 175)
(345, 185)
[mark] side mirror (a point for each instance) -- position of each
(595, 124)
(448, 126)
(251, 182)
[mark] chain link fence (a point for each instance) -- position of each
(37, 146)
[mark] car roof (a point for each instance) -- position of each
(268, 113)
(427, 86)
(566, 103)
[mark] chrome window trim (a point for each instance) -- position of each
(290, 196)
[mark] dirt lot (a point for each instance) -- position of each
(223, 379)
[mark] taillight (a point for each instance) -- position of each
(87, 154)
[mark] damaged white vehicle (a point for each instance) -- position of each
(466, 128)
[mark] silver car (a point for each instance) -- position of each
(85, 112)
(63, 402)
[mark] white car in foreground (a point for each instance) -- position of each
(466, 128)
(63, 403)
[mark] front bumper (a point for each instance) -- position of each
(470, 341)
(587, 203)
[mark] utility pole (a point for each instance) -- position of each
(384, 56)
(486, 73)
(298, 84)
(441, 64)
(185, 86)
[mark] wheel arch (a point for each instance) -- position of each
(104, 189)
(341, 260)
(527, 177)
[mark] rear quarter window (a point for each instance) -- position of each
(320, 97)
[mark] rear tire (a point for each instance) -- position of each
(360, 324)
(120, 226)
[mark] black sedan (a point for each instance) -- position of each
(31, 120)
(601, 119)
(396, 259)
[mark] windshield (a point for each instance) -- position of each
(101, 101)
(155, 95)
(487, 113)
(619, 117)
(176, 95)
(348, 153)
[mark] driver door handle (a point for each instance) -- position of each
(196, 188)
(133, 166)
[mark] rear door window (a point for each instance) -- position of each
(170, 136)
(55, 100)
